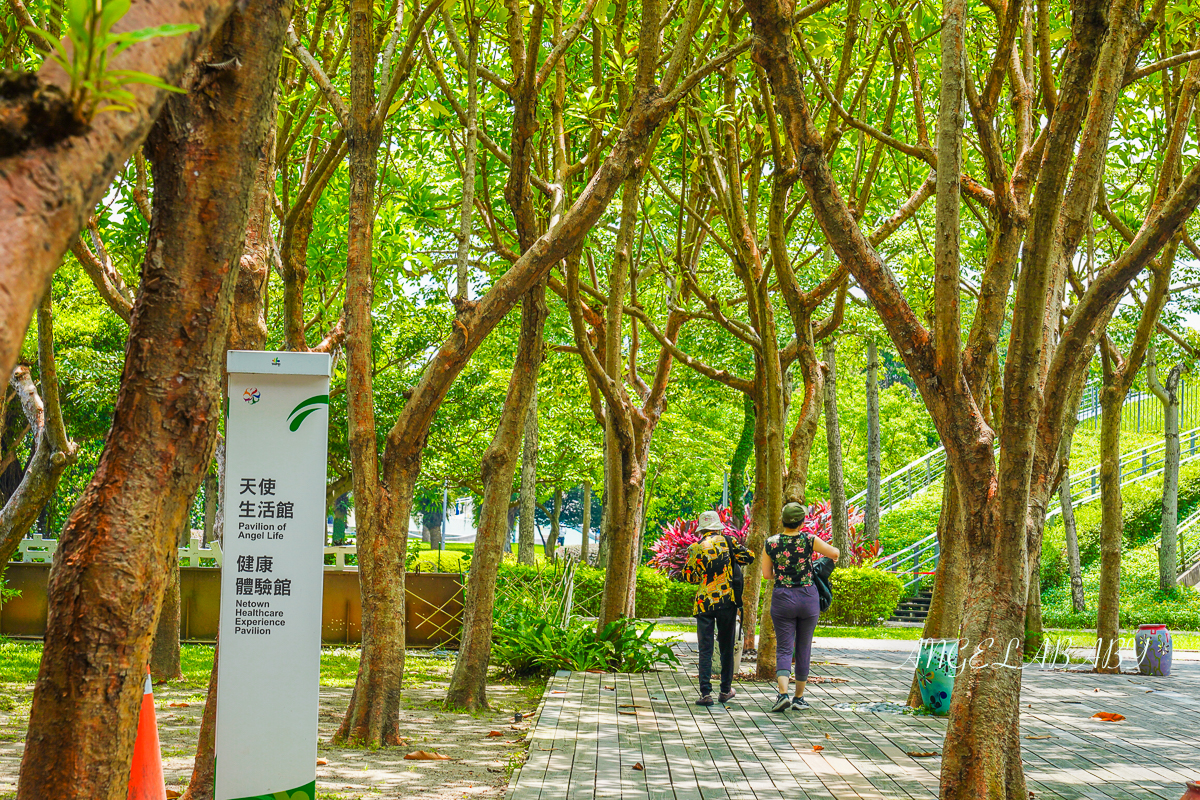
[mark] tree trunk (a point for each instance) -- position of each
(164, 651)
(833, 438)
(382, 508)
(468, 685)
(526, 543)
(874, 450)
(982, 737)
(944, 620)
(1112, 529)
(737, 465)
(602, 540)
(108, 579)
(204, 773)
(165, 664)
(1168, 566)
(211, 505)
(1073, 566)
(585, 524)
(623, 520)
(435, 532)
(555, 528)
(52, 454)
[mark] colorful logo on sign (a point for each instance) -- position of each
(252, 395)
(275, 361)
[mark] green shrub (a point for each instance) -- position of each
(681, 599)
(1141, 601)
(589, 591)
(525, 644)
(650, 595)
(534, 588)
(863, 596)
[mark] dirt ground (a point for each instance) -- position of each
(479, 765)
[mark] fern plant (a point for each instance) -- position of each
(95, 87)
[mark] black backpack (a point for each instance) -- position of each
(821, 570)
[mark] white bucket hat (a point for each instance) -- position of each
(710, 521)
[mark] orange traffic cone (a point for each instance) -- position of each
(146, 777)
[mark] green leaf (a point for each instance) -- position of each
(113, 11)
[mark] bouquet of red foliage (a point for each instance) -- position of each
(671, 549)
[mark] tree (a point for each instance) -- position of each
(837, 485)
(468, 684)
(874, 455)
(529, 454)
(53, 451)
(1168, 394)
(120, 541)
(384, 483)
(1031, 200)
(53, 183)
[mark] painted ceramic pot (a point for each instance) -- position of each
(1152, 644)
(936, 666)
(1193, 791)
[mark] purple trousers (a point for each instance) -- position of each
(794, 611)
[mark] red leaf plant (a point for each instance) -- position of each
(671, 549)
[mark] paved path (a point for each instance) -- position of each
(639, 736)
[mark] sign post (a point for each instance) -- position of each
(269, 659)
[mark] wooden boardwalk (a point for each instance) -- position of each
(640, 736)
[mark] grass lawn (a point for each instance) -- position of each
(339, 665)
(1182, 640)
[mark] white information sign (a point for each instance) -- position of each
(269, 668)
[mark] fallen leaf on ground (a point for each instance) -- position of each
(628, 713)
(609, 688)
(495, 769)
(921, 754)
(827, 736)
(495, 733)
(1095, 690)
(171, 793)
(818, 747)
(321, 762)
(557, 691)
(422, 755)
(638, 766)
(178, 705)
(629, 705)
(1108, 716)
(596, 671)
(1041, 737)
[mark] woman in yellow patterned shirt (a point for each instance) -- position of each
(711, 563)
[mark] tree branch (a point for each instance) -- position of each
(336, 104)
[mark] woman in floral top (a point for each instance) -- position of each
(795, 607)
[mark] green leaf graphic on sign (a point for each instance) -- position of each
(300, 412)
(306, 792)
